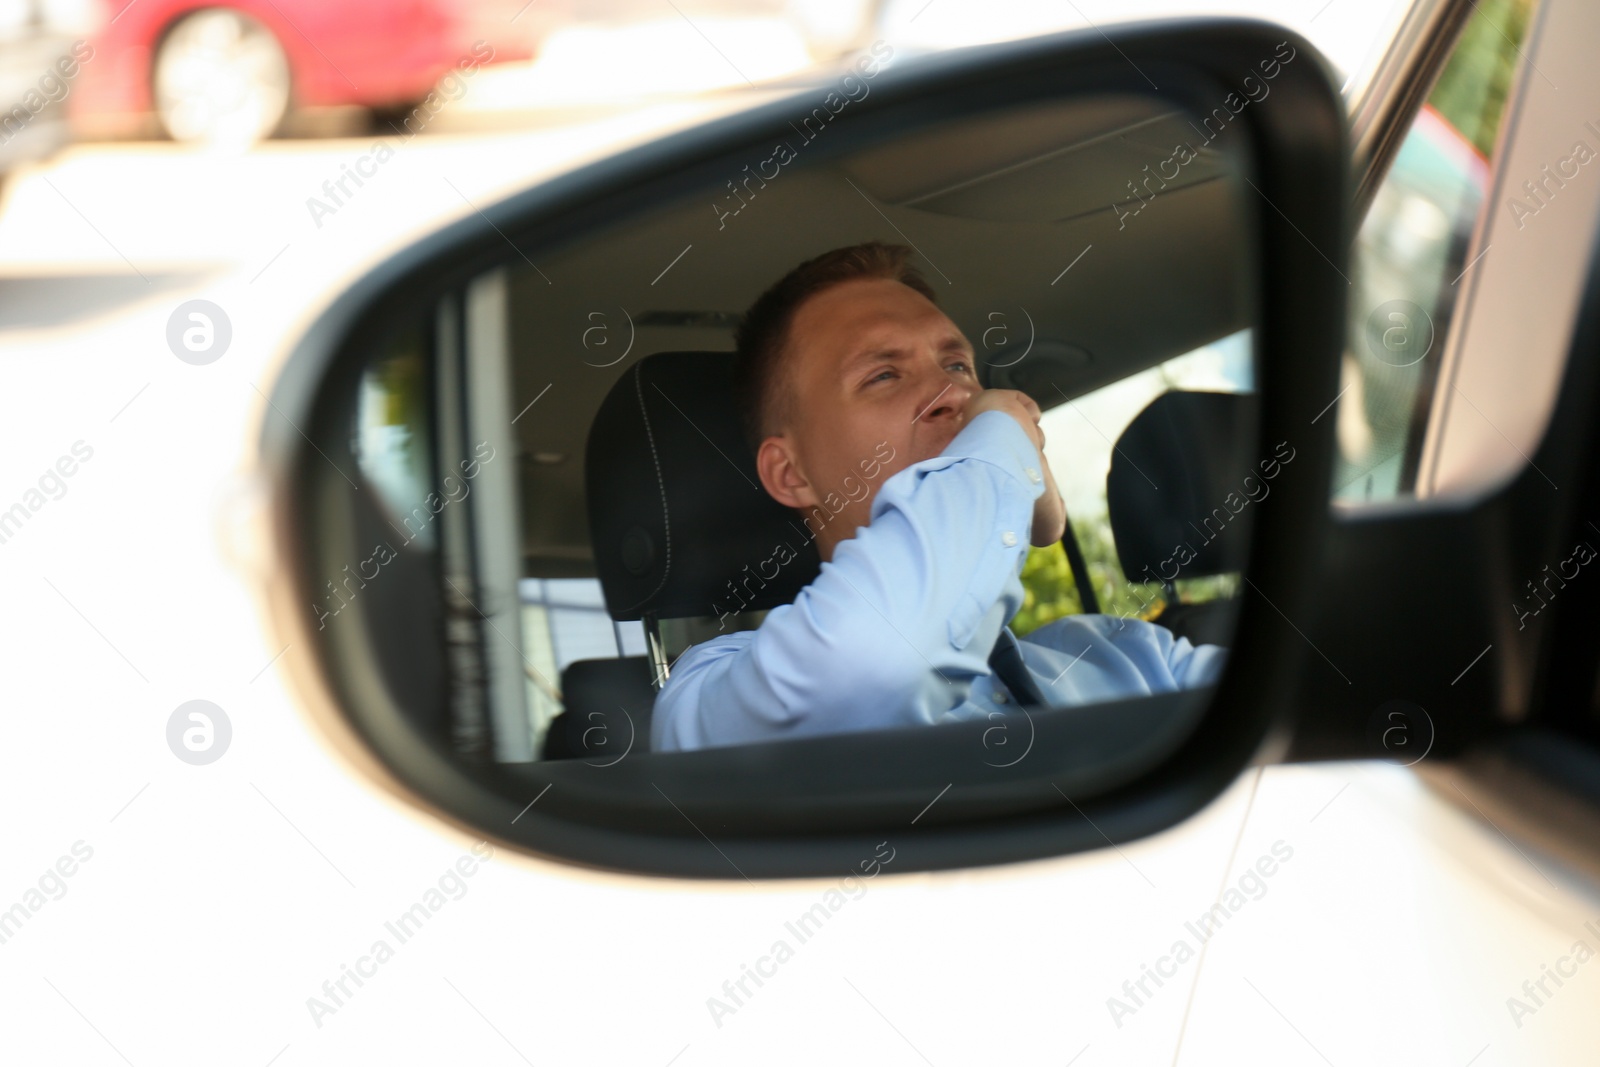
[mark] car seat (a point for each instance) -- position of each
(1179, 502)
(680, 527)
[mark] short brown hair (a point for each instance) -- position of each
(763, 332)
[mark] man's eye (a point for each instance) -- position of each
(880, 376)
(965, 367)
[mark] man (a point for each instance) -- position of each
(849, 375)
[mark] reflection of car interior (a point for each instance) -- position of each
(1047, 242)
(680, 524)
(682, 528)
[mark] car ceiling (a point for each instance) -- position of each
(1028, 214)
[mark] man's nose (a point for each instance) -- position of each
(946, 399)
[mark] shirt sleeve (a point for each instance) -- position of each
(1121, 657)
(884, 635)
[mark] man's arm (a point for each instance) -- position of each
(1125, 656)
(881, 637)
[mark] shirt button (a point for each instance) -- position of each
(999, 698)
(1008, 539)
(1033, 476)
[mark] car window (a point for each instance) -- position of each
(1079, 441)
(391, 439)
(565, 620)
(1414, 247)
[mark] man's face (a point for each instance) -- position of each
(871, 365)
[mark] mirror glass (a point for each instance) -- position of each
(568, 451)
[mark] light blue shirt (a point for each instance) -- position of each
(897, 628)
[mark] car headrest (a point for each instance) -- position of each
(1181, 478)
(679, 522)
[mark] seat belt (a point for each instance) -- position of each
(1080, 570)
(1008, 665)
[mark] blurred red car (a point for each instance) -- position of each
(232, 73)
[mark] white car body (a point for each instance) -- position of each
(222, 905)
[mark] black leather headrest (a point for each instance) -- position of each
(678, 519)
(1177, 491)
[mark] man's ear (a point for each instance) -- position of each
(781, 475)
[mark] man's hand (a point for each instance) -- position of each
(1049, 511)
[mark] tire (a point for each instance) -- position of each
(221, 79)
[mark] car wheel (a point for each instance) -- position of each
(221, 78)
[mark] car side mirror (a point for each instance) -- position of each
(521, 492)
